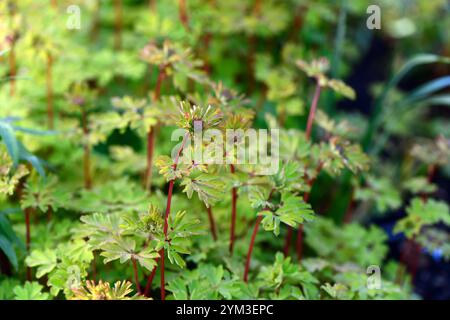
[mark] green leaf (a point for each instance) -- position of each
(121, 250)
(380, 191)
(419, 185)
(30, 291)
(146, 258)
(44, 260)
(166, 168)
(426, 90)
(208, 188)
(258, 198)
(9, 139)
(350, 243)
(422, 213)
(415, 61)
(293, 211)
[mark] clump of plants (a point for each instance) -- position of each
(134, 165)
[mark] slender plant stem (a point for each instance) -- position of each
(152, 5)
(150, 150)
(252, 240)
(50, 113)
(351, 206)
(250, 247)
(206, 40)
(49, 214)
(147, 182)
(312, 111)
(287, 242)
(234, 197)
(28, 212)
(182, 10)
(431, 171)
(151, 132)
(159, 82)
(87, 152)
(150, 279)
(163, 281)
(403, 261)
(299, 241)
(95, 22)
(54, 3)
(166, 216)
(257, 7)
(136, 274)
(212, 223)
(298, 22)
(118, 24)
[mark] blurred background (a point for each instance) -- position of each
(399, 72)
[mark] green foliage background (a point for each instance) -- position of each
(86, 117)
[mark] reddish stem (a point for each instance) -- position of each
(403, 261)
(212, 223)
(152, 5)
(183, 13)
(234, 197)
(299, 242)
(150, 150)
(298, 22)
(159, 81)
(206, 39)
(287, 242)
(257, 7)
(118, 24)
(151, 132)
(95, 22)
(50, 115)
(163, 281)
(252, 241)
(150, 280)
(136, 275)
(250, 248)
(166, 216)
(312, 111)
(54, 3)
(431, 172)
(49, 214)
(351, 206)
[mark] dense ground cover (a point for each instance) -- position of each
(102, 195)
